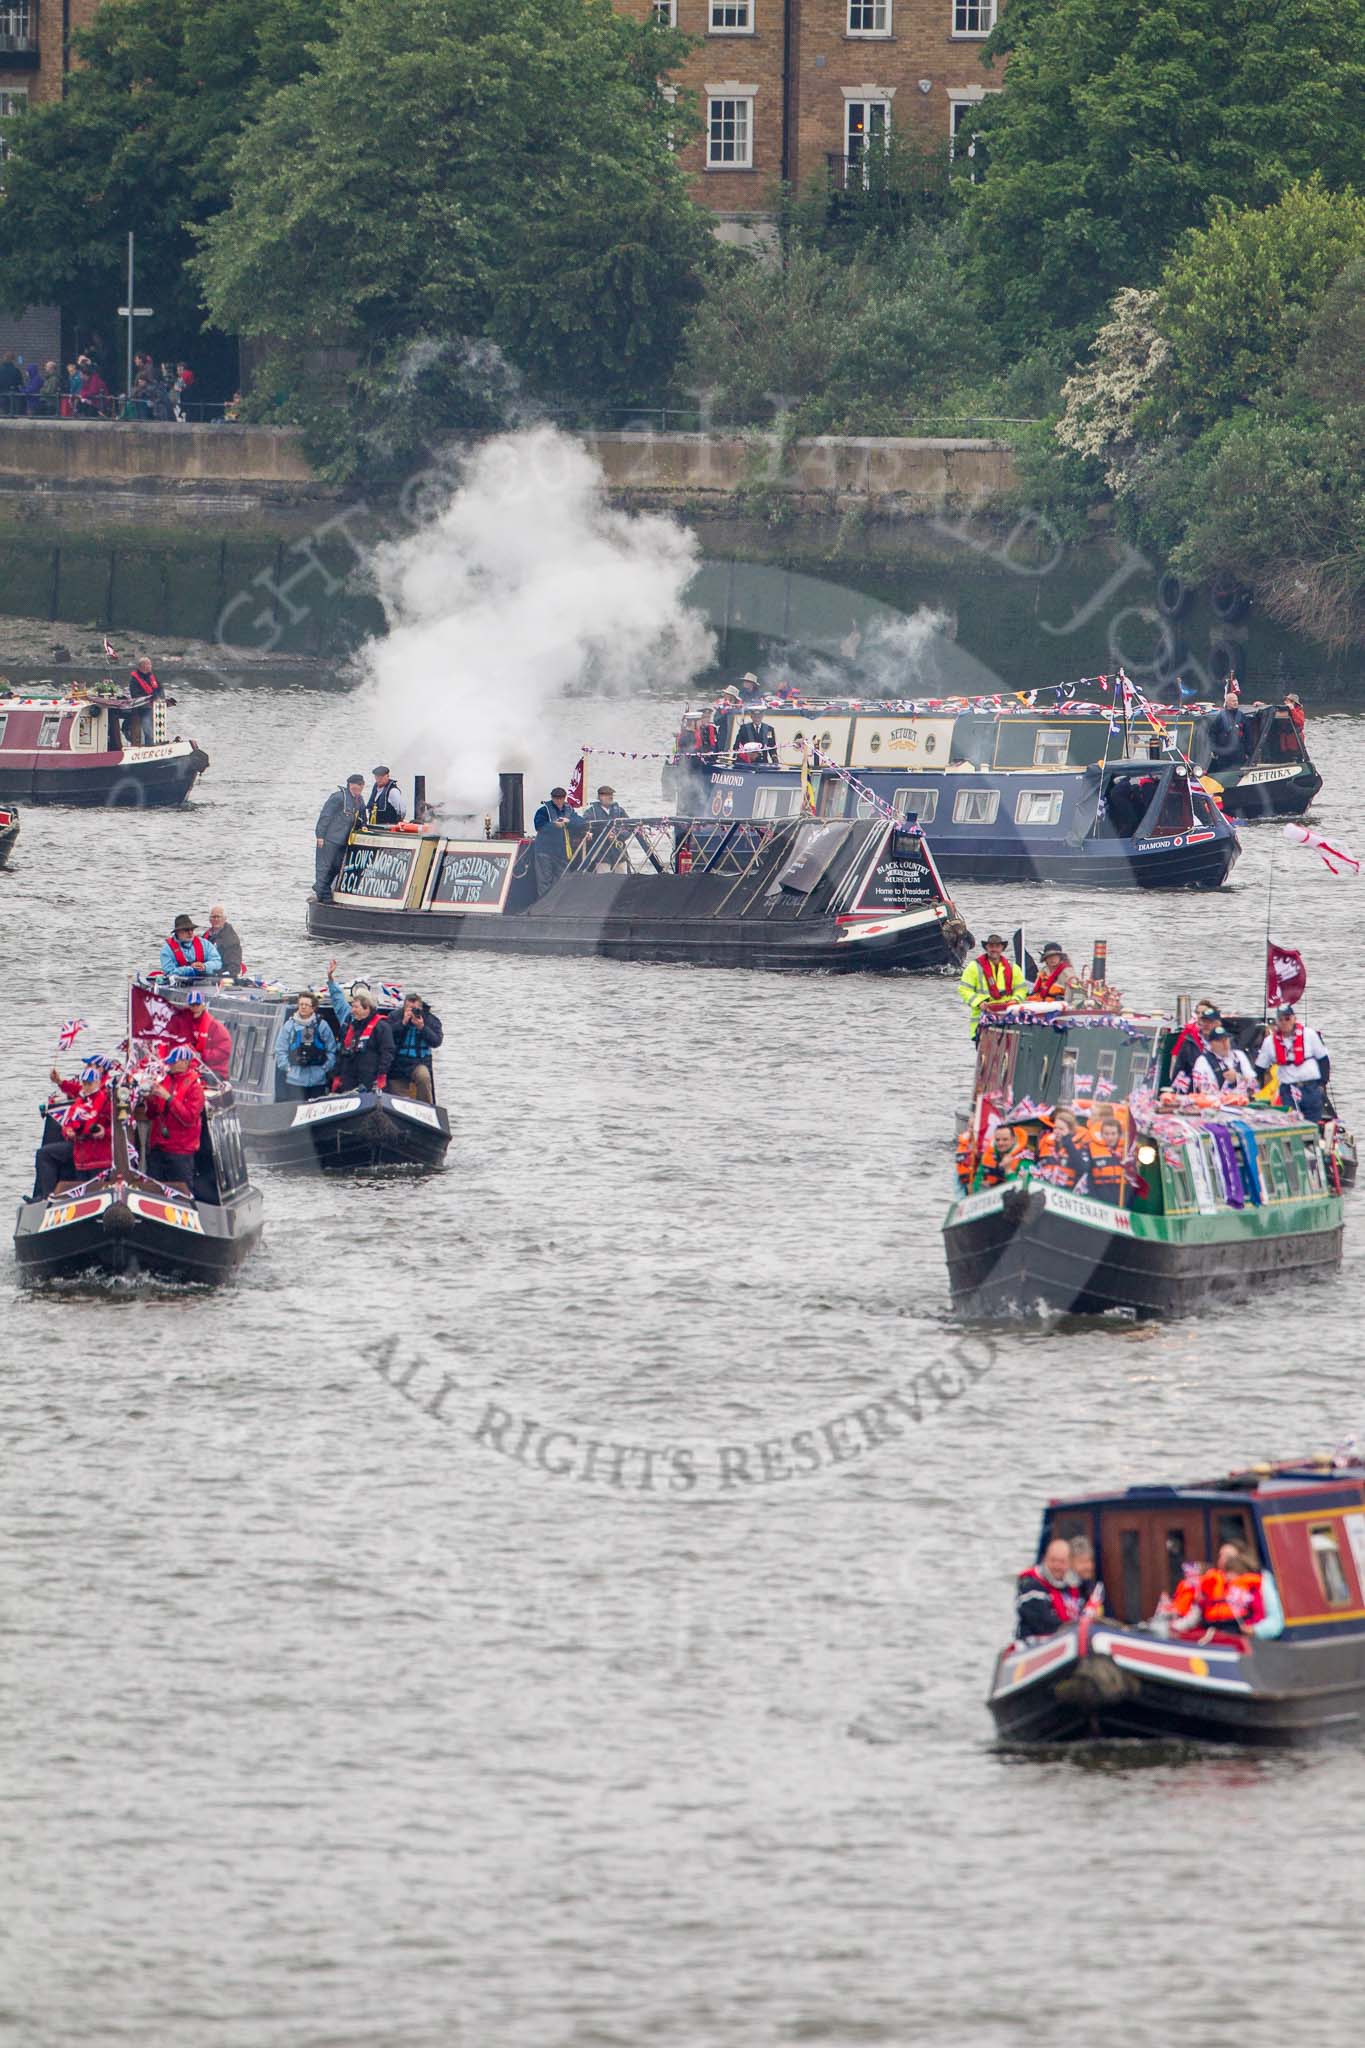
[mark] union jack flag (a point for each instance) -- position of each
(109, 653)
(1103, 1087)
(391, 991)
(1083, 1083)
(70, 1032)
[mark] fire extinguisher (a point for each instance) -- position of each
(683, 863)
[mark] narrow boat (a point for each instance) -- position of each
(9, 831)
(344, 1132)
(912, 753)
(1122, 821)
(63, 745)
(1142, 1199)
(1119, 1671)
(796, 894)
(123, 1222)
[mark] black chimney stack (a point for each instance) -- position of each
(420, 813)
(511, 807)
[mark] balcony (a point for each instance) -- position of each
(19, 36)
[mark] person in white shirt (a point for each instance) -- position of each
(1222, 1068)
(1302, 1060)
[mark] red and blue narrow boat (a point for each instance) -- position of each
(63, 745)
(1118, 1671)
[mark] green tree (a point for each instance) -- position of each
(1123, 123)
(450, 172)
(1239, 297)
(142, 140)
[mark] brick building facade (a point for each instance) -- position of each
(786, 88)
(35, 57)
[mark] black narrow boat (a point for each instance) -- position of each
(345, 1132)
(9, 831)
(122, 1222)
(1120, 1671)
(783, 894)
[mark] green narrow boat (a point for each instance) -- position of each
(1178, 1202)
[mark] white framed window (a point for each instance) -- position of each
(776, 803)
(730, 127)
(669, 93)
(4, 721)
(13, 100)
(49, 732)
(731, 17)
(976, 806)
(973, 17)
(964, 105)
(1038, 807)
(869, 17)
(664, 13)
(918, 801)
(1052, 747)
(867, 128)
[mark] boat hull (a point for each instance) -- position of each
(108, 1228)
(1013, 1248)
(1193, 863)
(919, 941)
(148, 778)
(1270, 792)
(342, 1133)
(1099, 1681)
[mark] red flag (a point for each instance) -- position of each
(576, 783)
(1286, 977)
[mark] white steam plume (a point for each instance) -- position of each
(526, 586)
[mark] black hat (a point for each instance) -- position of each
(184, 923)
(355, 778)
(380, 770)
(1284, 1009)
(1216, 1028)
(1052, 947)
(559, 790)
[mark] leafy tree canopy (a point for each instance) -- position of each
(1239, 297)
(1123, 123)
(142, 140)
(451, 171)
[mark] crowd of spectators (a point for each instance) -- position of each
(33, 390)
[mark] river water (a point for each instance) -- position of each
(346, 1704)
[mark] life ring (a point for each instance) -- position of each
(407, 825)
(1228, 599)
(1172, 595)
(1226, 659)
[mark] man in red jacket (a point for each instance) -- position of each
(85, 1147)
(210, 1039)
(177, 1119)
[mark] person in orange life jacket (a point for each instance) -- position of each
(145, 690)
(1107, 1153)
(177, 1121)
(366, 1050)
(85, 1146)
(1046, 1598)
(1065, 1152)
(1302, 1060)
(211, 1040)
(186, 956)
(385, 805)
(1005, 1151)
(1056, 972)
(1222, 1068)
(1228, 1596)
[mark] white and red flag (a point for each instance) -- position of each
(1286, 977)
(576, 782)
(1332, 854)
(109, 653)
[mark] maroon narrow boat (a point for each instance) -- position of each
(59, 745)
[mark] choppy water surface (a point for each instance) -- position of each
(339, 1713)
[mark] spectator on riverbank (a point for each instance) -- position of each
(11, 384)
(181, 388)
(90, 401)
(50, 391)
(33, 384)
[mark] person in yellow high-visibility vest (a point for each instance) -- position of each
(991, 982)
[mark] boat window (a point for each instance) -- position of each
(1066, 1076)
(918, 801)
(1175, 814)
(1175, 1558)
(1230, 1526)
(1130, 1571)
(1327, 1560)
(243, 1051)
(1105, 1065)
(50, 729)
(1038, 807)
(1180, 1186)
(4, 721)
(1072, 1522)
(1051, 749)
(1272, 1152)
(1293, 1167)
(776, 803)
(1313, 1173)
(976, 806)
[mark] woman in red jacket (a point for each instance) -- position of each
(177, 1119)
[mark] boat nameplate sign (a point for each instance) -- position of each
(321, 1112)
(1103, 1214)
(140, 754)
(376, 874)
(421, 1112)
(896, 882)
(984, 1204)
(1266, 775)
(475, 877)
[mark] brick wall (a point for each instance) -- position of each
(915, 63)
(36, 333)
